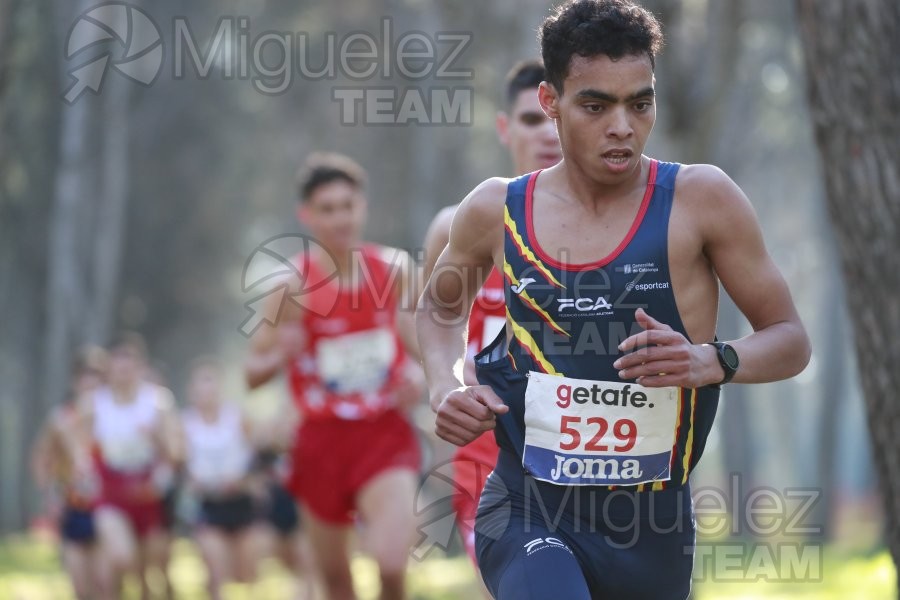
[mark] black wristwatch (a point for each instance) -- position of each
(729, 360)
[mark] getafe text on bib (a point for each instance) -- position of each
(582, 432)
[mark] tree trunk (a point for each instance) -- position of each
(851, 52)
(66, 286)
(27, 162)
(112, 203)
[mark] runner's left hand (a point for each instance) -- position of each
(661, 357)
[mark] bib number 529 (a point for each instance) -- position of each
(623, 430)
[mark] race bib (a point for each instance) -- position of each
(582, 432)
(356, 362)
(128, 454)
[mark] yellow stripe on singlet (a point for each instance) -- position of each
(524, 338)
(529, 302)
(525, 251)
(689, 444)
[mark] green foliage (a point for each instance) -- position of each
(29, 571)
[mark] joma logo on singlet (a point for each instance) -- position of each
(595, 468)
(584, 304)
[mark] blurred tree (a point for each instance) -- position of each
(28, 128)
(851, 51)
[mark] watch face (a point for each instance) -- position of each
(730, 356)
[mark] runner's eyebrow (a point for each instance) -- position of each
(592, 94)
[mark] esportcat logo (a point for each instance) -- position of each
(645, 287)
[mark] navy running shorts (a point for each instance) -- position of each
(541, 541)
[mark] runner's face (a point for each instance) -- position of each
(529, 134)
(126, 365)
(205, 387)
(335, 215)
(87, 381)
(605, 114)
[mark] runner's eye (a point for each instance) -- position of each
(532, 119)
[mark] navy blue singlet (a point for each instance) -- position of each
(568, 320)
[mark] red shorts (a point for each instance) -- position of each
(134, 496)
(333, 459)
(472, 464)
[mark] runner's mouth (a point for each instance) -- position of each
(617, 157)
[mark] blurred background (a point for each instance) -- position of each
(139, 207)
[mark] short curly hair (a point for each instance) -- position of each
(589, 28)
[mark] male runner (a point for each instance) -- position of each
(218, 456)
(355, 453)
(604, 389)
(135, 445)
(533, 144)
(55, 475)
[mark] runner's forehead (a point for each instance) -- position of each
(626, 77)
(526, 102)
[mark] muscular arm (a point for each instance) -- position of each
(437, 238)
(778, 348)
(732, 241)
(476, 238)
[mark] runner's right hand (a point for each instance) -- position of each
(467, 412)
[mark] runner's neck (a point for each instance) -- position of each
(575, 184)
(125, 393)
(209, 413)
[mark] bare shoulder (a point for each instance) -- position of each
(440, 224)
(165, 399)
(706, 183)
(711, 198)
(708, 186)
(482, 209)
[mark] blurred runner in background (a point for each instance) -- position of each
(340, 337)
(132, 430)
(70, 496)
(219, 454)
